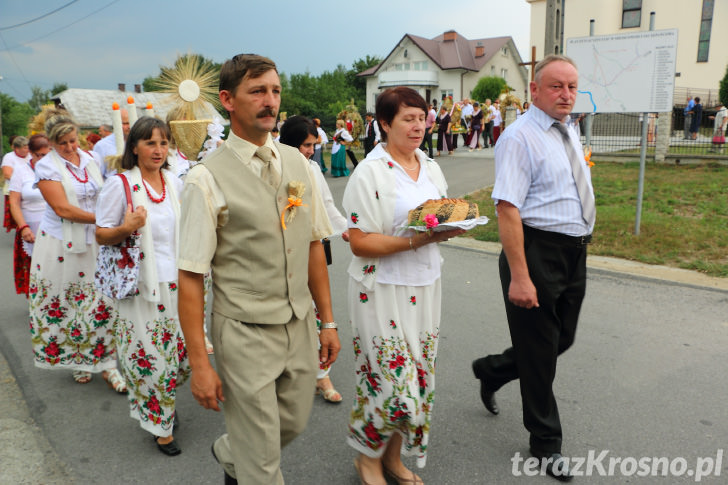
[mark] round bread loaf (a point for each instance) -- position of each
(446, 210)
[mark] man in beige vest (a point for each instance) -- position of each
(254, 214)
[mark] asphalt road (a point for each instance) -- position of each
(646, 378)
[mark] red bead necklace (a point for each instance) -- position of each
(85, 174)
(164, 191)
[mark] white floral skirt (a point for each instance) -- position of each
(152, 357)
(395, 330)
(71, 323)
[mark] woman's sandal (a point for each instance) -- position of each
(115, 381)
(331, 395)
(169, 449)
(81, 376)
(415, 480)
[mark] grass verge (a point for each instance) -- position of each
(684, 220)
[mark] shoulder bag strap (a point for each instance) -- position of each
(127, 190)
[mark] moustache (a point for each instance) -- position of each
(266, 112)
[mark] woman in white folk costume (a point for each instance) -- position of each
(27, 207)
(394, 293)
(71, 323)
(300, 132)
(18, 156)
(151, 346)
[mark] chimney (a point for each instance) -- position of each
(450, 35)
(137, 88)
(479, 50)
(122, 87)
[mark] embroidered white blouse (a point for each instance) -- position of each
(111, 208)
(46, 169)
(377, 199)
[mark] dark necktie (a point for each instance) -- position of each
(588, 209)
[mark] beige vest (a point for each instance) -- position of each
(260, 271)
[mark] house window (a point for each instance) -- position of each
(504, 73)
(706, 23)
(631, 13)
(420, 66)
(504, 51)
(492, 70)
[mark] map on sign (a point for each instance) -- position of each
(625, 72)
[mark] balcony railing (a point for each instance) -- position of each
(408, 78)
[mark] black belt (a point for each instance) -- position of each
(556, 237)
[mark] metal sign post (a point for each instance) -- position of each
(643, 157)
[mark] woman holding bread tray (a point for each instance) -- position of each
(394, 293)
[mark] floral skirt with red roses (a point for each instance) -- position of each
(152, 357)
(396, 330)
(71, 323)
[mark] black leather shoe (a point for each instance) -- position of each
(488, 399)
(486, 396)
(228, 479)
(169, 449)
(557, 466)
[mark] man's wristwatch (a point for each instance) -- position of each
(329, 325)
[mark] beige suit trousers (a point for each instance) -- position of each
(268, 375)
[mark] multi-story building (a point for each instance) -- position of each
(701, 53)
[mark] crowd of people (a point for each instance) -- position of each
(264, 235)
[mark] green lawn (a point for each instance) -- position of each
(684, 215)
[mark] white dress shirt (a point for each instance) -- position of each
(105, 147)
(324, 138)
(533, 172)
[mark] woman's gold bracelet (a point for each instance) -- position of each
(412, 247)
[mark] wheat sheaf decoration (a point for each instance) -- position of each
(192, 82)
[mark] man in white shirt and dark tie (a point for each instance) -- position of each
(546, 211)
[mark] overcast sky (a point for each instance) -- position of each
(100, 43)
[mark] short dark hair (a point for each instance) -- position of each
(697, 99)
(391, 100)
(296, 129)
(36, 142)
(143, 129)
(243, 66)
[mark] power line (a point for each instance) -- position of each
(38, 18)
(59, 29)
(12, 58)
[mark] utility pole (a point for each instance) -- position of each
(554, 31)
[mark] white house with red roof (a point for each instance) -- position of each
(448, 65)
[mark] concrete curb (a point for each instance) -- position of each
(614, 265)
